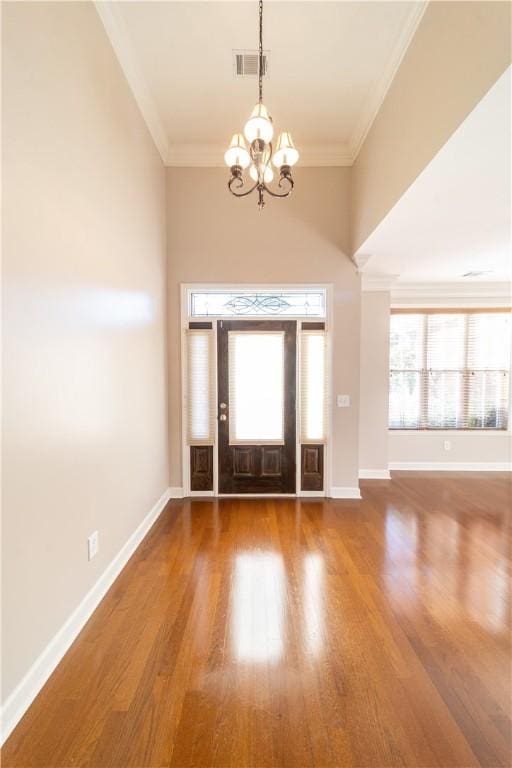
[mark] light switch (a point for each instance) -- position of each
(343, 401)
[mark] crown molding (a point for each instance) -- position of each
(204, 155)
(378, 282)
(120, 42)
(212, 156)
(379, 91)
(452, 293)
(430, 294)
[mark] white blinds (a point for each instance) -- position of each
(313, 387)
(449, 370)
(256, 387)
(200, 387)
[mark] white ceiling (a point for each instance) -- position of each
(331, 64)
(456, 216)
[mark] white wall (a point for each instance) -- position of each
(213, 237)
(84, 389)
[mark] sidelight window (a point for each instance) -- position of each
(313, 387)
(200, 387)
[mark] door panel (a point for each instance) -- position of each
(201, 468)
(266, 406)
(312, 469)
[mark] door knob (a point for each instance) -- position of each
(223, 417)
(223, 406)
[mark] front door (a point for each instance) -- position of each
(256, 408)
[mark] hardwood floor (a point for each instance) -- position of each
(297, 633)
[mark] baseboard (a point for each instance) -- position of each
(374, 474)
(453, 466)
(25, 692)
(342, 492)
(175, 492)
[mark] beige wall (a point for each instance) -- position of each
(84, 390)
(373, 419)
(458, 52)
(466, 448)
(214, 238)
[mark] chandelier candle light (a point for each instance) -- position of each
(259, 133)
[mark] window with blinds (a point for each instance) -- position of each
(313, 387)
(200, 387)
(449, 369)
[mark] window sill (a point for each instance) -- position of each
(450, 432)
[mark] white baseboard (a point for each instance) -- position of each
(25, 692)
(453, 466)
(175, 492)
(342, 492)
(374, 474)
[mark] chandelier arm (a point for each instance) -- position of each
(240, 185)
(286, 192)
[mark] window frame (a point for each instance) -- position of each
(452, 431)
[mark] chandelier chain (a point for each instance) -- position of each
(257, 158)
(260, 65)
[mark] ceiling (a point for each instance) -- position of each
(331, 64)
(456, 216)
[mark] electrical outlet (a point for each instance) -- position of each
(447, 445)
(93, 544)
(343, 401)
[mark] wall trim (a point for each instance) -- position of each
(374, 474)
(453, 466)
(345, 492)
(175, 492)
(27, 689)
(212, 156)
(451, 433)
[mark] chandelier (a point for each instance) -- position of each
(260, 156)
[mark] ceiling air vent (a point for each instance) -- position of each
(246, 63)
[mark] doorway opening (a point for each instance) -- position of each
(255, 384)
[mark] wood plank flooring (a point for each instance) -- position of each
(297, 633)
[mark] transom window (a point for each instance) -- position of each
(252, 303)
(449, 369)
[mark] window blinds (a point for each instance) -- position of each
(449, 370)
(200, 387)
(313, 387)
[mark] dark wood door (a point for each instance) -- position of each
(260, 466)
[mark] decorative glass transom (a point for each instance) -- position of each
(251, 303)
